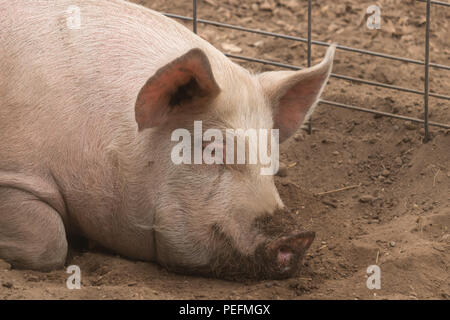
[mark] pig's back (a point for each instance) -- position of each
(63, 88)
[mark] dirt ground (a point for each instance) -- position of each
(395, 212)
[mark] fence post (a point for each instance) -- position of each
(194, 16)
(427, 67)
(309, 53)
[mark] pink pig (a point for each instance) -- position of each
(86, 116)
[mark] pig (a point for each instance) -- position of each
(87, 107)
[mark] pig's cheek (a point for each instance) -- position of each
(208, 169)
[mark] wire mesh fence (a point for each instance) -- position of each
(310, 42)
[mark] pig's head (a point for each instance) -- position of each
(224, 219)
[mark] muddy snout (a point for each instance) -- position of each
(284, 254)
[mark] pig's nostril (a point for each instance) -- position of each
(286, 252)
(284, 258)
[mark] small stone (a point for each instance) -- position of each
(7, 285)
(293, 283)
(4, 265)
(267, 6)
(392, 244)
(366, 198)
(329, 203)
(259, 44)
(290, 4)
(231, 48)
(335, 153)
(299, 137)
(33, 279)
(282, 170)
(211, 2)
(410, 125)
(398, 161)
(385, 173)
(377, 116)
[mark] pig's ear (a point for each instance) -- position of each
(294, 94)
(183, 84)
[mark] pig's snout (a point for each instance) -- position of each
(285, 253)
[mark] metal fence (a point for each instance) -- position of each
(309, 41)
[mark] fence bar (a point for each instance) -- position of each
(309, 53)
(305, 40)
(338, 76)
(437, 2)
(427, 63)
(194, 16)
(388, 86)
(309, 32)
(385, 114)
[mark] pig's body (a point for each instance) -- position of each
(67, 116)
(72, 160)
(67, 111)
